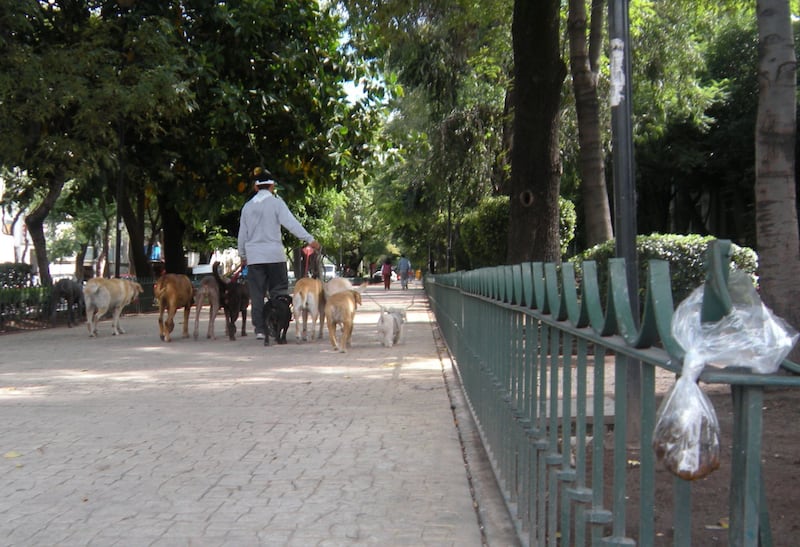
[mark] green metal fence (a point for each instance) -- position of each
(535, 350)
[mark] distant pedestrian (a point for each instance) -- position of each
(386, 272)
(404, 269)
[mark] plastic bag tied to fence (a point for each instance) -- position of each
(686, 436)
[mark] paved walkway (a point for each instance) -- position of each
(126, 440)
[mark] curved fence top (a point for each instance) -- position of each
(566, 295)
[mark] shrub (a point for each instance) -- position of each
(484, 231)
(685, 254)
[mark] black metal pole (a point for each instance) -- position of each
(625, 181)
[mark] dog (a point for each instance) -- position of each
(102, 295)
(173, 291)
(340, 309)
(277, 315)
(390, 326)
(207, 291)
(72, 292)
(308, 301)
(244, 303)
(338, 284)
(234, 299)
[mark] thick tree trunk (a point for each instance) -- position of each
(35, 223)
(135, 226)
(583, 65)
(174, 229)
(535, 165)
(775, 194)
(80, 256)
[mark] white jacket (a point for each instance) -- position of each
(260, 239)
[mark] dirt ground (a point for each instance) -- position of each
(781, 470)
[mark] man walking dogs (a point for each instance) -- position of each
(261, 245)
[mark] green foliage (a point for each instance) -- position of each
(179, 101)
(567, 221)
(452, 59)
(484, 230)
(685, 254)
(695, 134)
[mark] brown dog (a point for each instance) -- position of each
(102, 294)
(173, 291)
(207, 291)
(340, 309)
(308, 300)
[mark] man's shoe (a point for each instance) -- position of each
(259, 336)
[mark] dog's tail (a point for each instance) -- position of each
(91, 288)
(302, 301)
(223, 285)
(236, 274)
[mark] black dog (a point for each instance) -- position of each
(72, 292)
(244, 303)
(277, 315)
(231, 296)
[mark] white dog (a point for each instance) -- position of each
(339, 284)
(390, 326)
(102, 295)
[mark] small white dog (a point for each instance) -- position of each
(390, 326)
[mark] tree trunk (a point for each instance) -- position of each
(584, 68)
(535, 165)
(80, 256)
(135, 227)
(35, 223)
(776, 214)
(174, 229)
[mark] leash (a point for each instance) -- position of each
(236, 273)
(385, 309)
(310, 254)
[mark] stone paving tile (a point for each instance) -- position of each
(127, 440)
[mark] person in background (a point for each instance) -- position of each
(386, 272)
(404, 269)
(261, 248)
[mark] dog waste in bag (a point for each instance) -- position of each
(686, 436)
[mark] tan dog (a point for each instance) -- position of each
(206, 292)
(340, 309)
(173, 291)
(308, 300)
(102, 295)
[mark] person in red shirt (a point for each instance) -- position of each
(386, 272)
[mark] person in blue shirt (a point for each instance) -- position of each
(404, 269)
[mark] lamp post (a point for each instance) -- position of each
(625, 183)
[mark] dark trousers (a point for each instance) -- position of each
(265, 279)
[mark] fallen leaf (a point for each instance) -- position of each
(12, 454)
(722, 524)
